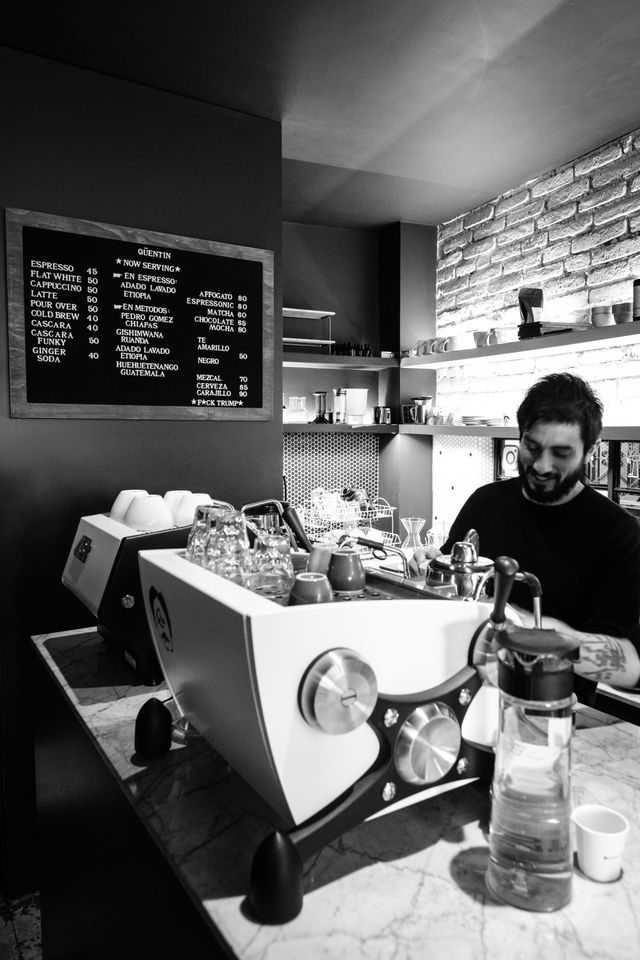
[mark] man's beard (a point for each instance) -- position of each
(556, 492)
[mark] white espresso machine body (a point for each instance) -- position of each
(307, 701)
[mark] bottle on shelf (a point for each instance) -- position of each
(340, 405)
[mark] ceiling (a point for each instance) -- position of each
(412, 110)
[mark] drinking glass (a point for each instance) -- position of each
(203, 526)
(227, 549)
(272, 568)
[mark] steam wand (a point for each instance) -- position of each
(505, 571)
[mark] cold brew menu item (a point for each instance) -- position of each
(110, 321)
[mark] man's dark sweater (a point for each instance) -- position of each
(586, 554)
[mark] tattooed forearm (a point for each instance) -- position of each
(613, 660)
(601, 657)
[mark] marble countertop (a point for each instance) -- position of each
(405, 886)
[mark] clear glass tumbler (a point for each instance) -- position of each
(272, 571)
(227, 549)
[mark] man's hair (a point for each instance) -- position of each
(562, 398)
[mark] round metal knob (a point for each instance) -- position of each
(428, 744)
(338, 691)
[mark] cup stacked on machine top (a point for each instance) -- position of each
(148, 512)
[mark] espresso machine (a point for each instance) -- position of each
(102, 571)
(335, 713)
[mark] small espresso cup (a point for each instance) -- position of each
(310, 588)
(601, 834)
(320, 557)
(346, 572)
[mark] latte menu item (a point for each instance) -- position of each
(109, 321)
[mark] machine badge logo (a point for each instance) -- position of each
(161, 619)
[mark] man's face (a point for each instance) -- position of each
(551, 461)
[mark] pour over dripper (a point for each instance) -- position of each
(413, 526)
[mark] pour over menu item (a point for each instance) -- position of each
(105, 318)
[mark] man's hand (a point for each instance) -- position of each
(607, 659)
(420, 558)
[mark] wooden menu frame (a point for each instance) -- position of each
(227, 264)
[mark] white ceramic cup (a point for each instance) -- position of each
(460, 341)
(186, 510)
(505, 335)
(173, 497)
(600, 834)
(122, 501)
(148, 512)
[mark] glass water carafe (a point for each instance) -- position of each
(530, 853)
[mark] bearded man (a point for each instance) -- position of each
(584, 549)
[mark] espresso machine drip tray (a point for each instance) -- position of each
(367, 593)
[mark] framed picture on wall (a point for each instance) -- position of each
(115, 322)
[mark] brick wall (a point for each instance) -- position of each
(575, 232)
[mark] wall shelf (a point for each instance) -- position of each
(447, 429)
(388, 428)
(617, 335)
(630, 434)
(297, 314)
(327, 362)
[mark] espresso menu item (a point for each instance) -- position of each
(110, 321)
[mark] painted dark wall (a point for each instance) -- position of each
(83, 145)
(408, 301)
(328, 268)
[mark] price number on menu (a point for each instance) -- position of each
(93, 313)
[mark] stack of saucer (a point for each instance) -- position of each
(623, 312)
(474, 421)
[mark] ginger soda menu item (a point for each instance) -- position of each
(112, 321)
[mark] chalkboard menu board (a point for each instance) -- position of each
(114, 322)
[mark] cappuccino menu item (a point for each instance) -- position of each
(114, 322)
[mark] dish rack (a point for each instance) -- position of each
(323, 518)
